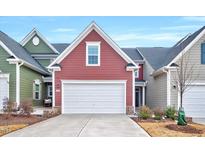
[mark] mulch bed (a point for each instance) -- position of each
(19, 119)
(137, 119)
(184, 129)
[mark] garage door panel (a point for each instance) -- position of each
(4, 86)
(194, 101)
(94, 98)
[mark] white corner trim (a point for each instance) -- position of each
(54, 92)
(187, 47)
(18, 75)
(99, 52)
(36, 32)
(168, 88)
(92, 26)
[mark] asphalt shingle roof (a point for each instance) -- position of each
(178, 47)
(132, 53)
(154, 55)
(20, 52)
(161, 56)
(60, 47)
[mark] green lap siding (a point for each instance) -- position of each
(27, 77)
(44, 62)
(42, 47)
(5, 67)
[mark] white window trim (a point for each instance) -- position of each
(136, 76)
(39, 83)
(96, 44)
(49, 90)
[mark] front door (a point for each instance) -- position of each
(137, 97)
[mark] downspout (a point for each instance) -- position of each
(18, 82)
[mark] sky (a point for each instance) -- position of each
(126, 31)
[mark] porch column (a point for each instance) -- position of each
(143, 95)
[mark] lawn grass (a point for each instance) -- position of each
(158, 129)
(10, 128)
(14, 122)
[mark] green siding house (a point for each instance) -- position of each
(23, 68)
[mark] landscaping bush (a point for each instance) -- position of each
(158, 113)
(26, 107)
(9, 108)
(170, 112)
(51, 112)
(145, 112)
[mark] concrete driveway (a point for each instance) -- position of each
(79, 125)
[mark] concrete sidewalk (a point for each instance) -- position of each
(111, 125)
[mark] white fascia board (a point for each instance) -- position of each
(16, 60)
(36, 32)
(92, 26)
(159, 71)
(8, 50)
(34, 68)
(187, 47)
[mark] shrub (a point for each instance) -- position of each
(170, 112)
(26, 107)
(158, 113)
(9, 108)
(145, 112)
(51, 112)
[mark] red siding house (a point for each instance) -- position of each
(94, 75)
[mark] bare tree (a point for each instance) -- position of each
(185, 75)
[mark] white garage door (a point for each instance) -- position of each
(3, 90)
(93, 98)
(194, 101)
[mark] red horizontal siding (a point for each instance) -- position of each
(140, 72)
(112, 67)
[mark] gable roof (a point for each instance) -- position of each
(177, 48)
(36, 32)
(60, 47)
(154, 55)
(17, 51)
(133, 53)
(163, 56)
(88, 29)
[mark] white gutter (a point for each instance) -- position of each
(160, 71)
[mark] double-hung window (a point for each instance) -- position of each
(37, 90)
(50, 91)
(203, 53)
(92, 53)
(137, 73)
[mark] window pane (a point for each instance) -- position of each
(92, 50)
(93, 59)
(36, 87)
(203, 54)
(136, 74)
(36, 95)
